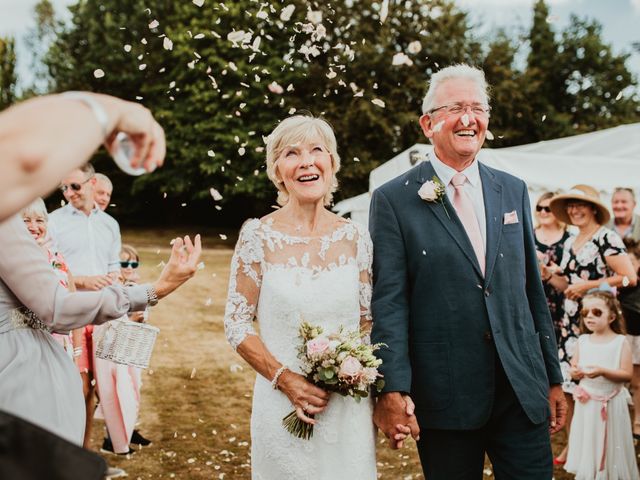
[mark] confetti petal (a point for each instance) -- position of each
(285, 14)
(198, 3)
(215, 194)
(98, 73)
(167, 43)
(489, 135)
(154, 24)
(378, 102)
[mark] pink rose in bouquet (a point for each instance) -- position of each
(316, 347)
(350, 369)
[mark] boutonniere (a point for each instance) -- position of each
(433, 191)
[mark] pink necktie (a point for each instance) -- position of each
(464, 209)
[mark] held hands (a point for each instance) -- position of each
(576, 373)
(145, 133)
(303, 395)
(394, 415)
(182, 265)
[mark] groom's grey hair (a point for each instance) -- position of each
(459, 71)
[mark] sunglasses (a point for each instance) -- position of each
(76, 187)
(596, 312)
(540, 208)
(129, 264)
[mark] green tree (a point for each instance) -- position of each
(38, 40)
(7, 72)
(599, 86)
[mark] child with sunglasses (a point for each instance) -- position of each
(600, 443)
(120, 392)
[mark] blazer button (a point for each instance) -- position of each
(487, 336)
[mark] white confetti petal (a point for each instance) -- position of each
(489, 135)
(143, 66)
(127, 48)
(198, 3)
(378, 102)
(285, 14)
(200, 266)
(154, 24)
(98, 73)
(414, 47)
(193, 373)
(167, 43)
(401, 58)
(331, 74)
(314, 16)
(384, 10)
(235, 368)
(262, 15)
(544, 117)
(215, 194)
(438, 126)
(223, 236)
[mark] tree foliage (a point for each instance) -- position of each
(219, 77)
(7, 72)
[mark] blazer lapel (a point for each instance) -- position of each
(492, 193)
(450, 222)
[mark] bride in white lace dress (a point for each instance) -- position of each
(301, 262)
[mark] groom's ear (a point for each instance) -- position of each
(425, 124)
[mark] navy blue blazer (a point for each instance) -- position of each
(444, 322)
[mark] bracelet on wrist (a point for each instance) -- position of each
(279, 372)
(96, 108)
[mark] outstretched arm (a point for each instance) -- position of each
(43, 139)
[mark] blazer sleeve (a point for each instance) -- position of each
(390, 296)
(536, 297)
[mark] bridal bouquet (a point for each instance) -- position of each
(342, 362)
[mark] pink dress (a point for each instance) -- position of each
(119, 392)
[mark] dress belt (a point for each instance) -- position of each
(20, 318)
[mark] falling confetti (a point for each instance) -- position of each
(414, 47)
(378, 102)
(154, 24)
(200, 266)
(223, 236)
(544, 117)
(285, 14)
(98, 73)
(384, 10)
(235, 368)
(438, 126)
(167, 43)
(127, 48)
(489, 135)
(274, 87)
(198, 3)
(215, 194)
(401, 59)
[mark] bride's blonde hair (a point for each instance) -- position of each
(301, 129)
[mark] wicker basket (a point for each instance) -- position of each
(127, 343)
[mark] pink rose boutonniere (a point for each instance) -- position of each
(433, 191)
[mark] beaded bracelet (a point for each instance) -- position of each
(279, 372)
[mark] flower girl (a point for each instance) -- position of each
(601, 444)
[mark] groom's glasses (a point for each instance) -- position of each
(596, 312)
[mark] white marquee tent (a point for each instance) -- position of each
(604, 159)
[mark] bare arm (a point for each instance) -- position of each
(620, 375)
(38, 149)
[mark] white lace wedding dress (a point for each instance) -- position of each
(280, 279)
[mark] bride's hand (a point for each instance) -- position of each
(304, 396)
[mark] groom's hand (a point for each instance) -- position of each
(558, 406)
(395, 419)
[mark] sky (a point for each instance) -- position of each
(620, 20)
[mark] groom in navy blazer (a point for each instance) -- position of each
(457, 299)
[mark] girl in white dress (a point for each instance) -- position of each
(601, 441)
(301, 262)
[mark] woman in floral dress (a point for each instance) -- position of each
(594, 257)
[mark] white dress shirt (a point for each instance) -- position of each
(89, 243)
(472, 187)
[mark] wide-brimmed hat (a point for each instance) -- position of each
(579, 193)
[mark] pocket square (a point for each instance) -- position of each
(510, 217)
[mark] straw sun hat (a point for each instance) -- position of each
(579, 193)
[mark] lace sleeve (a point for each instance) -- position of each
(364, 260)
(244, 284)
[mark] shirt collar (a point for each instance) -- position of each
(75, 211)
(445, 172)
